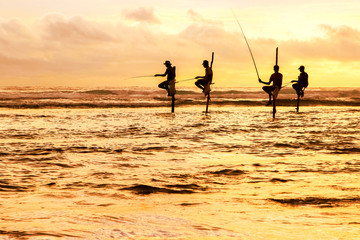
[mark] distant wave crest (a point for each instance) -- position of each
(137, 98)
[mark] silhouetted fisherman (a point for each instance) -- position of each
(276, 79)
(170, 73)
(301, 83)
(204, 81)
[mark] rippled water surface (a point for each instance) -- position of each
(140, 173)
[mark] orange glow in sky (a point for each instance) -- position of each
(101, 43)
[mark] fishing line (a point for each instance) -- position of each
(257, 73)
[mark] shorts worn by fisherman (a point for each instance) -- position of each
(164, 85)
(272, 91)
(201, 83)
(299, 88)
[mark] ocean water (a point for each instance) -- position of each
(116, 164)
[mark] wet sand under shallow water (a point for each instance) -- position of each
(235, 173)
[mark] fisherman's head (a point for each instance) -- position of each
(205, 63)
(276, 68)
(167, 63)
(302, 68)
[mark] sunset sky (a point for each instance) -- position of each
(93, 43)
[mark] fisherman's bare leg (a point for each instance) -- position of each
(297, 88)
(268, 90)
(201, 84)
(165, 85)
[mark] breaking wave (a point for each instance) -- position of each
(317, 201)
(140, 98)
(142, 189)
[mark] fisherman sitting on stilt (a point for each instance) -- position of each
(301, 83)
(170, 73)
(204, 82)
(276, 78)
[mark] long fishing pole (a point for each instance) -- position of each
(143, 76)
(185, 80)
(257, 73)
(287, 84)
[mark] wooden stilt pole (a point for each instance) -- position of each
(274, 98)
(208, 95)
(207, 103)
(298, 103)
(274, 107)
(173, 103)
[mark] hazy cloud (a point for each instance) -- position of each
(194, 15)
(198, 18)
(338, 44)
(341, 32)
(142, 14)
(75, 29)
(13, 27)
(13, 31)
(7, 61)
(60, 45)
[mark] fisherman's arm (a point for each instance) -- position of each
(267, 83)
(160, 75)
(296, 81)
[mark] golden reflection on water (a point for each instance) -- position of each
(141, 174)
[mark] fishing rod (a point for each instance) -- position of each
(143, 76)
(257, 73)
(287, 84)
(185, 80)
